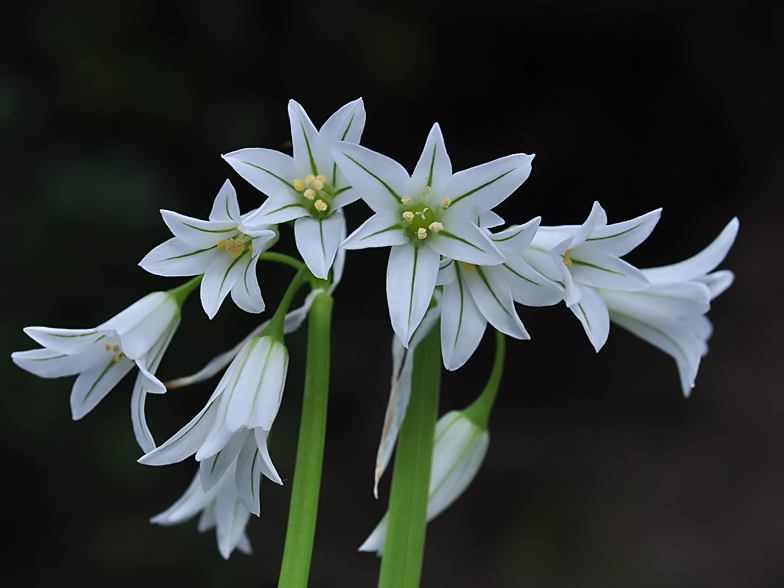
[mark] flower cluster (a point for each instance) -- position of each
(454, 265)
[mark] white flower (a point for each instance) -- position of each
(308, 187)
(670, 314)
(138, 336)
(424, 216)
(476, 295)
(220, 507)
(460, 447)
(224, 248)
(585, 257)
(235, 423)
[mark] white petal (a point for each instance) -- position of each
(186, 507)
(226, 208)
(447, 272)
(231, 518)
(514, 240)
(383, 229)
(70, 341)
(47, 363)
(94, 384)
(266, 462)
(487, 219)
(491, 294)
(310, 153)
(246, 292)
(248, 475)
(411, 279)
(219, 279)
(140, 325)
(266, 170)
(687, 298)
(592, 313)
(199, 234)
(528, 286)
(346, 124)
(434, 168)
(212, 469)
(718, 282)
(464, 241)
(597, 219)
(489, 184)
(462, 323)
(700, 264)
(620, 238)
(318, 241)
(379, 180)
(282, 207)
(594, 267)
(176, 258)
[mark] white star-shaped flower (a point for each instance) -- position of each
(585, 257)
(670, 314)
(138, 336)
(307, 187)
(224, 248)
(429, 214)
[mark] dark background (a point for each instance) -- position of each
(599, 472)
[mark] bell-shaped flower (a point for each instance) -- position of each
(307, 187)
(422, 217)
(137, 337)
(235, 422)
(670, 314)
(586, 257)
(224, 248)
(475, 295)
(459, 450)
(220, 507)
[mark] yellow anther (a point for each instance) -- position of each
(428, 191)
(469, 267)
(310, 193)
(250, 247)
(116, 357)
(116, 347)
(567, 260)
(436, 226)
(108, 347)
(235, 247)
(317, 184)
(320, 205)
(408, 216)
(321, 178)
(299, 185)
(309, 179)
(422, 233)
(237, 251)
(446, 202)
(406, 200)
(223, 245)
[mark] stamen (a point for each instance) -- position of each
(222, 245)
(469, 267)
(436, 226)
(309, 179)
(446, 202)
(310, 194)
(567, 261)
(116, 347)
(108, 347)
(116, 357)
(408, 216)
(428, 191)
(235, 247)
(320, 205)
(406, 200)
(422, 233)
(299, 185)
(321, 178)
(317, 184)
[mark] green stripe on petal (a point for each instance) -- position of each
(485, 185)
(313, 167)
(521, 276)
(487, 284)
(383, 183)
(635, 227)
(598, 267)
(448, 235)
(274, 175)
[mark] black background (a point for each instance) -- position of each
(599, 472)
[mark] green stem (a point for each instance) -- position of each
(479, 411)
(404, 547)
(281, 258)
(275, 326)
(310, 449)
(182, 292)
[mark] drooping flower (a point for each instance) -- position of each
(670, 314)
(235, 423)
(224, 248)
(586, 257)
(220, 507)
(459, 450)
(476, 295)
(307, 187)
(429, 214)
(101, 357)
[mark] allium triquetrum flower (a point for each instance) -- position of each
(588, 256)
(138, 336)
(670, 314)
(429, 214)
(224, 248)
(307, 187)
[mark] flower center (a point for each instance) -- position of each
(567, 260)
(317, 194)
(235, 246)
(115, 350)
(420, 219)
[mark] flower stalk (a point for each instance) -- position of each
(401, 566)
